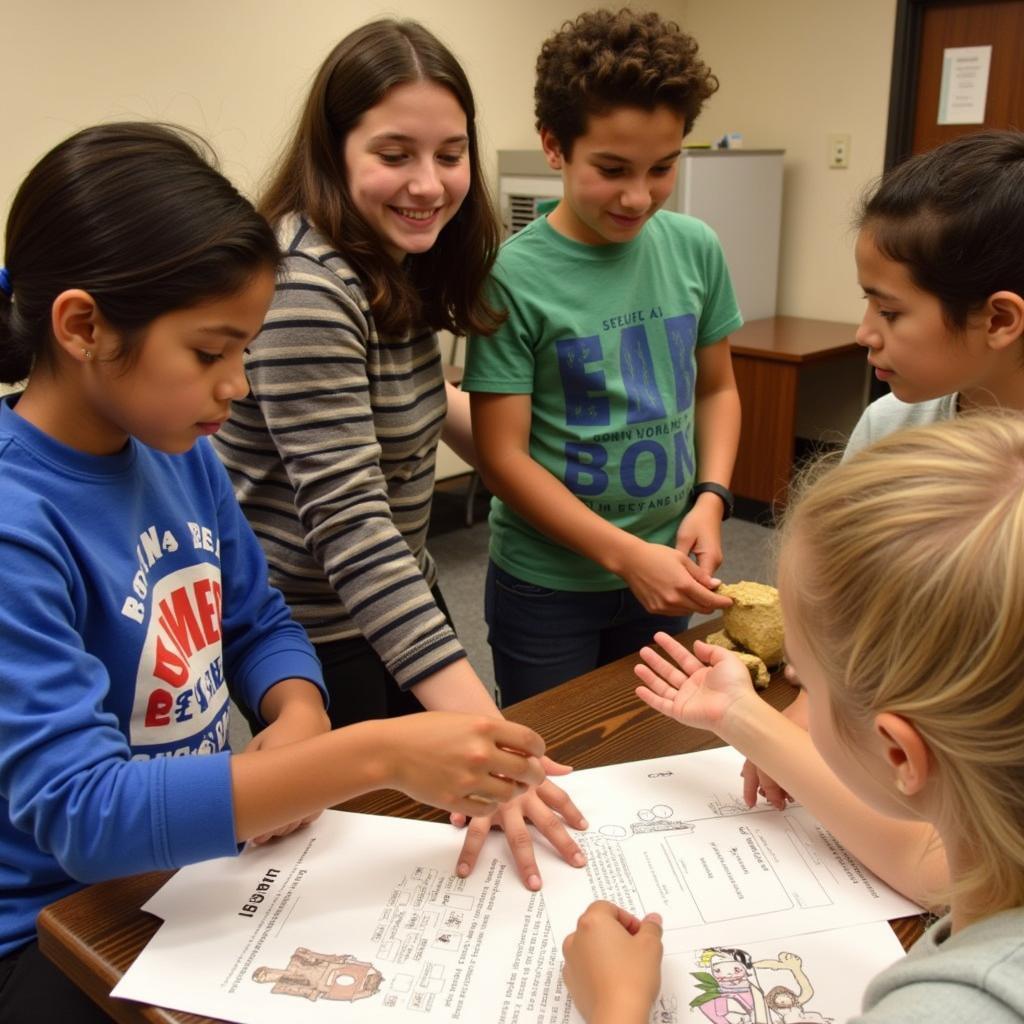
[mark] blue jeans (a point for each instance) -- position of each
(541, 637)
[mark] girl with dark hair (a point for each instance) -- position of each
(388, 232)
(134, 591)
(938, 257)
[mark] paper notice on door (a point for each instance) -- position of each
(964, 87)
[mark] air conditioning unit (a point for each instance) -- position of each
(524, 180)
(738, 192)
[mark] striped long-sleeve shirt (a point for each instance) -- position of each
(332, 459)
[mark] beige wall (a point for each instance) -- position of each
(791, 71)
(236, 70)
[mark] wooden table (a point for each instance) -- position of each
(781, 363)
(95, 935)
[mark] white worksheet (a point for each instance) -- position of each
(358, 910)
(673, 835)
(365, 911)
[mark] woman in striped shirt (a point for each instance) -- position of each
(389, 235)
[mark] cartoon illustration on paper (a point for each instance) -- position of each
(732, 991)
(315, 975)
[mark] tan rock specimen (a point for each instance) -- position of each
(758, 670)
(759, 674)
(755, 619)
(721, 639)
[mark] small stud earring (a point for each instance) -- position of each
(86, 354)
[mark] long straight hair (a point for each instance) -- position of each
(443, 287)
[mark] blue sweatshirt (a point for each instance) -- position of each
(132, 593)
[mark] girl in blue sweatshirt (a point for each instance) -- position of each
(135, 596)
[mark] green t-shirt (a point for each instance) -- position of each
(604, 339)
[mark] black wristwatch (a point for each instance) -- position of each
(723, 492)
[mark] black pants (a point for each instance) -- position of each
(359, 685)
(35, 991)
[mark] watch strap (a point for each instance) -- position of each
(723, 492)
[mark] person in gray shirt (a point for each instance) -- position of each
(902, 584)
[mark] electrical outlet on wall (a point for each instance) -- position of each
(839, 151)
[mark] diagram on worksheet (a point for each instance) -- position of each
(658, 818)
(672, 836)
(362, 916)
(359, 915)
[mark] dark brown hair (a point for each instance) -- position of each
(137, 216)
(607, 59)
(443, 286)
(955, 217)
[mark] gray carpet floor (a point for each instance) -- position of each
(461, 555)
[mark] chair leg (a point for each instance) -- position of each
(474, 483)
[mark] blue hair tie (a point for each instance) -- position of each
(5, 282)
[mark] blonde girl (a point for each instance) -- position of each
(902, 581)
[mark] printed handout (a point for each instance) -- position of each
(673, 835)
(767, 919)
(356, 909)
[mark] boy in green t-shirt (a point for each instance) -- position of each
(605, 412)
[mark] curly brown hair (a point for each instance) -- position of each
(606, 59)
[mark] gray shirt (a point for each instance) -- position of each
(888, 414)
(973, 977)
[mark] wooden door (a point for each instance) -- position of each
(999, 25)
(924, 29)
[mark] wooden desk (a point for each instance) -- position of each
(95, 935)
(774, 361)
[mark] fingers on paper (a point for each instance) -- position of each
(540, 808)
(476, 835)
(520, 843)
(557, 799)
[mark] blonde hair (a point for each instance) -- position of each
(909, 593)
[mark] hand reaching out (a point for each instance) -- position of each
(464, 763)
(758, 783)
(667, 582)
(696, 688)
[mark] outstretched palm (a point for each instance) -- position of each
(694, 687)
